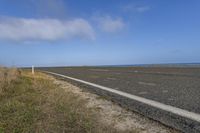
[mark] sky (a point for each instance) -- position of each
(99, 32)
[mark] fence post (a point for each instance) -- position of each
(33, 71)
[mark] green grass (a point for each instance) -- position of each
(35, 104)
(18, 106)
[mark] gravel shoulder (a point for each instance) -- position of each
(112, 114)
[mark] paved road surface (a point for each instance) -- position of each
(178, 87)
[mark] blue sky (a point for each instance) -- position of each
(99, 32)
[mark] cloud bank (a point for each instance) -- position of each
(108, 24)
(23, 29)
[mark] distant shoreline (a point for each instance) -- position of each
(191, 65)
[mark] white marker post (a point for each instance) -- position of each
(33, 70)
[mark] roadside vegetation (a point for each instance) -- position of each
(35, 104)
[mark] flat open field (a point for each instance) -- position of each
(179, 87)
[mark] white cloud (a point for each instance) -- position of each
(109, 24)
(22, 29)
(142, 8)
(49, 8)
(135, 8)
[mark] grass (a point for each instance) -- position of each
(35, 104)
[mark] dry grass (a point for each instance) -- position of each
(7, 75)
(35, 104)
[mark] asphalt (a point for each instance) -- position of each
(178, 87)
